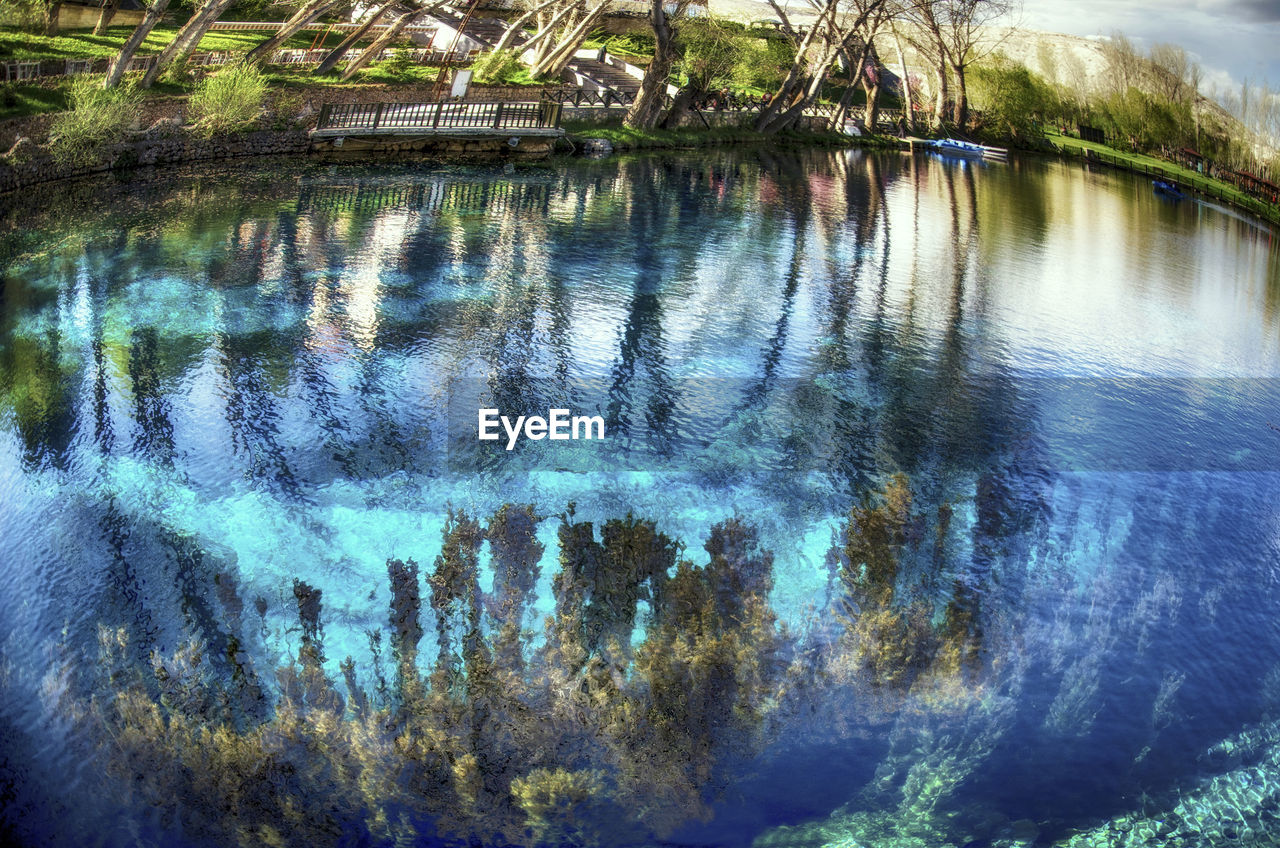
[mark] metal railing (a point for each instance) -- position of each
(573, 96)
(445, 115)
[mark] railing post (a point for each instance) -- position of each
(377, 117)
(325, 111)
(497, 116)
(435, 124)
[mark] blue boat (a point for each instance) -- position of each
(1167, 189)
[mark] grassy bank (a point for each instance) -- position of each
(1163, 169)
(18, 45)
(625, 138)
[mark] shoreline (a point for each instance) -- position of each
(175, 147)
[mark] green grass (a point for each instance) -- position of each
(1185, 176)
(625, 138)
(19, 45)
(17, 101)
(381, 73)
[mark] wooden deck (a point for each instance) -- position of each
(450, 119)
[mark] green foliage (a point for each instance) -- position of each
(1013, 101)
(96, 118)
(762, 64)
(1146, 121)
(228, 100)
(709, 53)
(22, 14)
(501, 67)
(635, 45)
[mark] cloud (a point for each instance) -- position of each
(1253, 11)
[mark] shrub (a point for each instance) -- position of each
(229, 99)
(501, 67)
(1012, 99)
(97, 117)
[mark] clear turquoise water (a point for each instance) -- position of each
(274, 376)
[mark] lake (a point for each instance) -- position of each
(1048, 395)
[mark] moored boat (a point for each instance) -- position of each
(1167, 189)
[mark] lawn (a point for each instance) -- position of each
(22, 46)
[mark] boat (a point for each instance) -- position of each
(956, 147)
(1167, 189)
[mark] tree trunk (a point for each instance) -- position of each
(854, 66)
(117, 67)
(680, 107)
(538, 44)
(371, 52)
(109, 8)
(304, 16)
(786, 91)
(335, 55)
(514, 29)
(873, 107)
(940, 99)
(908, 100)
(651, 99)
(962, 99)
(51, 8)
(184, 43)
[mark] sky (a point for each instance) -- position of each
(1232, 39)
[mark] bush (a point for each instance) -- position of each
(500, 67)
(1012, 99)
(228, 100)
(97, 117)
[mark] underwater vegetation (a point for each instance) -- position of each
(622, 717)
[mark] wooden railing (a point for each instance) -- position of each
(438, 116)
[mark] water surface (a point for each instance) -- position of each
(276, 376)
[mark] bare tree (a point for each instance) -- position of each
(553, 46)
(155, 10)
(650, 102)
(839, 25)
(516, 27)
(51, 9)
(1124, 63)
(1170, 68)
(184, 43)
(389, 35)
(309, 11)
(960, 35)
(336, 54)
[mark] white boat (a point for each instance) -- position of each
(956, 147)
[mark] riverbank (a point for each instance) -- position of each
(687, 138)
(1093, 153)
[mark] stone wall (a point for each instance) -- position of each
(31, 166)
(86, 17)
